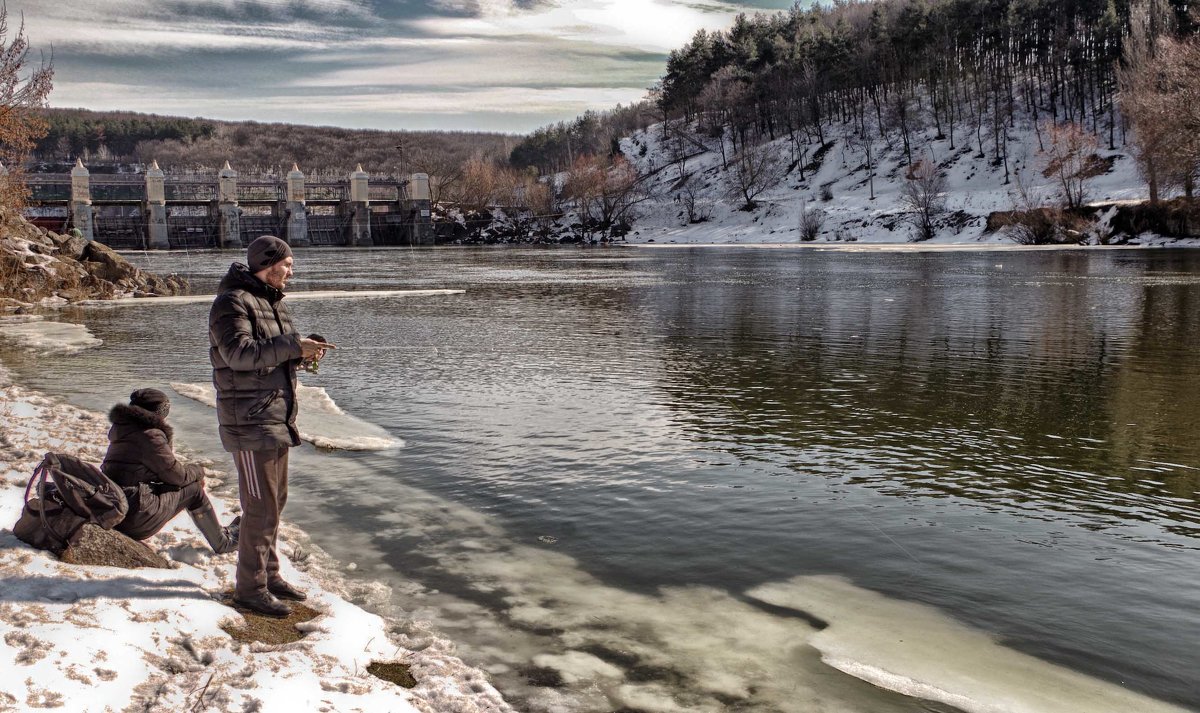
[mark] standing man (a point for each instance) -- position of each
(254, 349)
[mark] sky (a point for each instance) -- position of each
(488, 65)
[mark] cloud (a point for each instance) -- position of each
(143, 39)
(510, 64)
(656, 25)
(472, 62)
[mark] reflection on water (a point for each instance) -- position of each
(647, 437)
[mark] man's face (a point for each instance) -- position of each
(277, 275)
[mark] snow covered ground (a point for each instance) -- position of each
(84, 638)
(975, 188)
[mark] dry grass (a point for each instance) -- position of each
(393, 672)
(265, 629)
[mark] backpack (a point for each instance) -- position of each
(63, 495)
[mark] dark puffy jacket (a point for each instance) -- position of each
(254, 350)
(140, 452)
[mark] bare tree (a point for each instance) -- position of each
(1070, 160)
(902, 117)
(23, 91)
(1143, 95)
(542, 201)
(604, 190)
(863, 140)
(479, 186)
(1181, 86)
(811, 222)
(754, 170)
(698, 209)
(925, 198)
(444, 170)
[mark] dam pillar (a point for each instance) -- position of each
(297, 216)
(420, 209)
(360, 209)
(156, 209)
(81, 201)
(229, 215)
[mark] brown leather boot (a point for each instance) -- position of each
(283, 590)
(263, 603)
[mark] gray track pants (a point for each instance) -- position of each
(262, 489)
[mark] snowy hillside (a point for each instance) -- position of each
(974, 189)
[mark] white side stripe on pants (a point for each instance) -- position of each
(246, 460)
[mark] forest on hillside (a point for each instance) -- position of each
(179, 143)
(970, 70)
(777, 91)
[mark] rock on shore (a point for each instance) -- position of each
(40, 266)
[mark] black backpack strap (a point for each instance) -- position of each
(39, 477)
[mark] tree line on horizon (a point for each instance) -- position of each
(197, 144)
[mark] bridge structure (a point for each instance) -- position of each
(155, 210)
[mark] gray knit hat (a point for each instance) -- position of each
(265, 251)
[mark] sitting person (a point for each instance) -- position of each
(141, 460)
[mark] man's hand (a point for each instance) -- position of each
(312, 348)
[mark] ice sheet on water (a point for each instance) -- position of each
(918, 651)
(321, 421)
(291, 297)
(699, 649)
(40, 335)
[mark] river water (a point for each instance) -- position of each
(707, 479)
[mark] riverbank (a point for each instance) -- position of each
(86, 638)
(830, 193)
(42, 268)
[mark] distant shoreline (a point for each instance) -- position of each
(910, 247)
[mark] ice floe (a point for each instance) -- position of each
(918, 651)
(38, 334)
(291, 297)
(320, 421)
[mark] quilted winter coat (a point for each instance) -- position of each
(254, 350)
(139, 450)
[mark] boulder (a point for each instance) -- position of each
(93, 545)
(72, 247)
(112, 266)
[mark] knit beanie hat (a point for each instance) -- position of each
(265, 251)
(149, 399)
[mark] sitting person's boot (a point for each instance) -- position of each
(283, 590)
(263, 603)
(220, 539)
